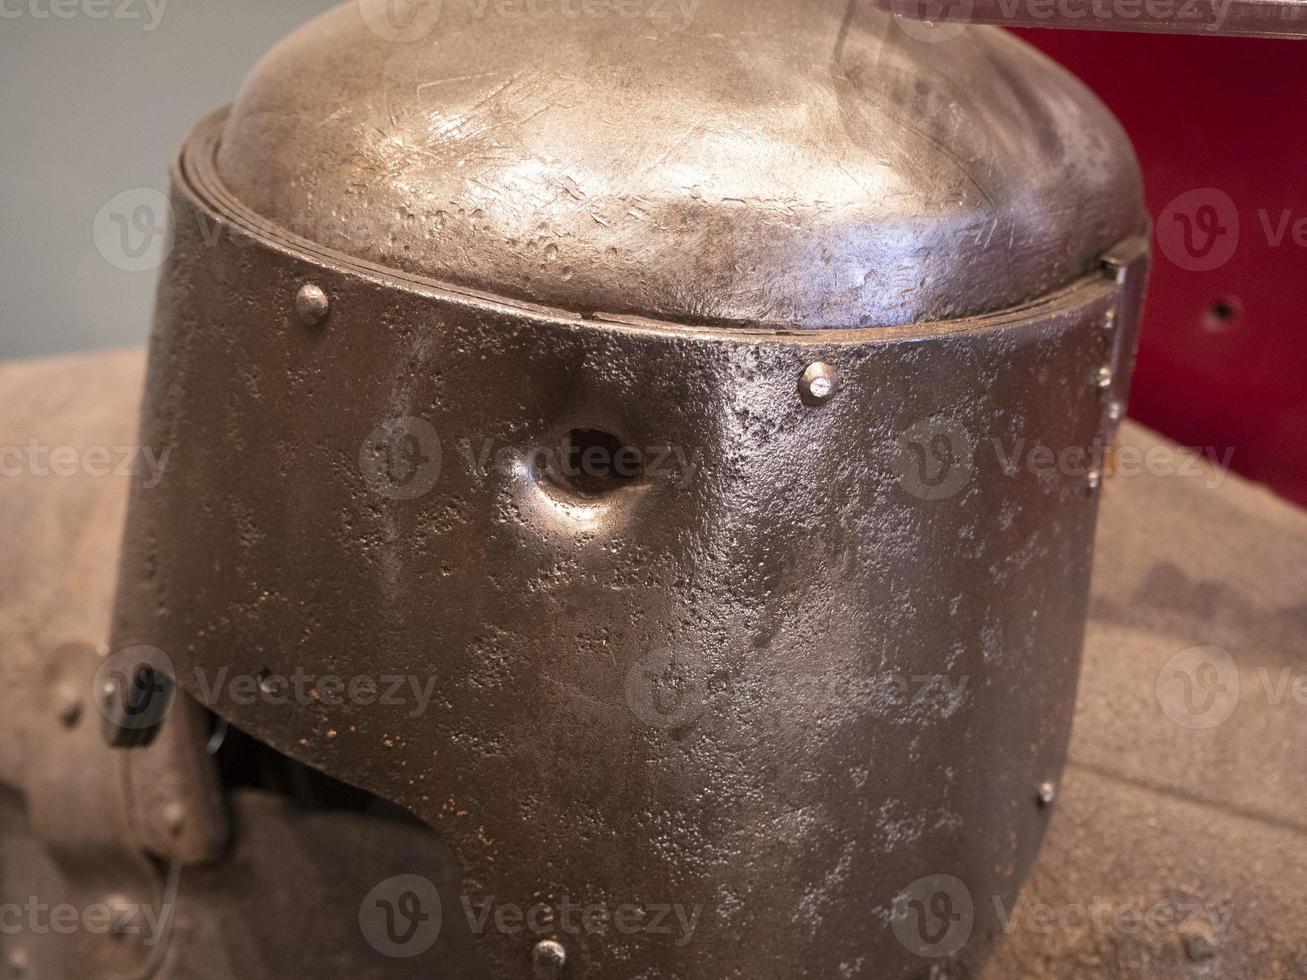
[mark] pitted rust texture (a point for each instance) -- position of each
(791, 586)
(1139, 819)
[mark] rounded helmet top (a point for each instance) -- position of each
(804, 163)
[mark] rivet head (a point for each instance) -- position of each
(311, 305)
(548, 959)
(173, 816)
(68, 705)
(819, 383)
(122, 909)
(1094, 478)
(18, 961)
(1103, 377)
(1047, 793)
(1115, 411)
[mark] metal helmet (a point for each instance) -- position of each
(707, 400)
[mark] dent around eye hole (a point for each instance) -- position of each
(592, 462)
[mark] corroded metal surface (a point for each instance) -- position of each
(829, 645)
(1202, 827)
(810, 630)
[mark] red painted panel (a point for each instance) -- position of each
(1223, 355)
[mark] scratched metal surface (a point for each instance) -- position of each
(625, 234)
(789, 162)
(789, 582)
(509, 259)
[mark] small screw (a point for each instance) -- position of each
(174, 818)
(1047, 794)
(1103, 377)
(1109, 321)
(18, 961)
(1094, 478)
(819, 383)
(548, 958)
(312, 305)
(121, 909)
(1115, 411)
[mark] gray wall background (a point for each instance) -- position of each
(91, 108)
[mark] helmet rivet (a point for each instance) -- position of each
(174, 818)
(819, 383)
(1103, 377)
(68, 705)
(548, 959)
(18, 961)
(1047, 793)
(312, 305)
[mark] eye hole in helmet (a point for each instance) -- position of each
(592, 462)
